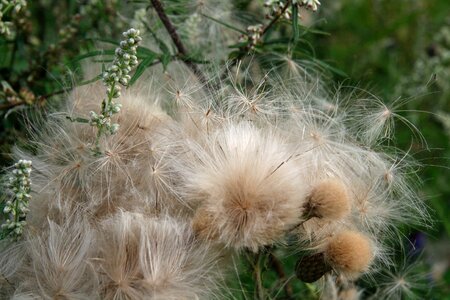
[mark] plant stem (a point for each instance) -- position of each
(264, 31)
(259, 289)
(177, 41)
(277, 266)
(7, 8)
(275, 19)
(11, 105)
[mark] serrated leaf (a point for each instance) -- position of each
(144, 64)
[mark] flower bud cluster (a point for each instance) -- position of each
(5, 6)
(309, 4)
(277, 7)
(104, 120)
(16, 208)
(125, 60)
(253, 36)
(116, 75)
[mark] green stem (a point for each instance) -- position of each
(275, 19)
(16, 211)
(106, 104)
(96, 148)
(7, 8)
(259, 293)
(110, 97)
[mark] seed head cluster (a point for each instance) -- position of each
(195, 176)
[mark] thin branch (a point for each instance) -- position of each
(10, 105)
(177, 41)
(275, 19)
(259, 289)
(264, 31)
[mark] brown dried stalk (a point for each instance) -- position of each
(183, 53)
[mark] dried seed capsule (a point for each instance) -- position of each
(330, 200)
(310, 268)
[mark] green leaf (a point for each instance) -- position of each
(145, 51)
(104, 40)
(92, 54)
(234, 55)
(225, 24)
(313, 31)
(329, 67)
(295, 28)
(238, 45)
(165, 60)
(141, 67)
(98, 77)
(77, 119)
(162, 46)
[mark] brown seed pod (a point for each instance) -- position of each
(310, 268)
(349, 253)
(329, 200)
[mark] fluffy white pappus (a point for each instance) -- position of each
(373, 121)
(25, 296)
(400, 177)
(246, 185)
(137, 162)
(11, 260)
(154, 258)
(407, 279)
(196, 107)
(199, 25)
(322, 141)
(335, 288)
(255, 99)
(313, 233)
(143, 158)
(62, 158)
(55, 264)
(384, 197)
(289, 69)
(201, 107)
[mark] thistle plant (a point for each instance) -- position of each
(114, 77)
(15, 208)
(253, 169)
